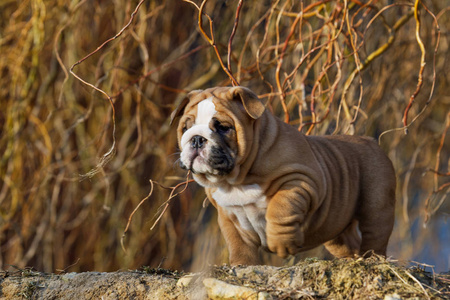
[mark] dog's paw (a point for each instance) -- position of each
(284, 240)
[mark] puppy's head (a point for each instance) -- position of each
(214, 131)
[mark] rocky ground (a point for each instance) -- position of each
(310, 279)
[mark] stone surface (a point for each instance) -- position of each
(309, 279)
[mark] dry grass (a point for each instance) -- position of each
(340, 67)
(374, 278)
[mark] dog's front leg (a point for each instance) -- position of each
(285, 218)
(240, 251)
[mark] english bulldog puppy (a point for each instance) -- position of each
(277, 189)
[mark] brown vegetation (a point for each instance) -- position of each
(328, 67)
(373, 278)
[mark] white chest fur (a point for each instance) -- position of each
(248, 204)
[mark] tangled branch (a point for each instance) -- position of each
(162, 209)
(111, 152)
(211, 38)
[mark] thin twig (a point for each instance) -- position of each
(165, 204)
(211, 39)
(422, 66)
(159, 68)
(111, 152)
(171, 196)
(132, 214)
(405, 127)
(233, 32)
(280, 62)
(418, 282)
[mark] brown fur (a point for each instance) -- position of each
(318, 189)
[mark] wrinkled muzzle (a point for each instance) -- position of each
(202, 154)
(202, 151)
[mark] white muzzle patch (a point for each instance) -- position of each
(197, 158)
(205, 112)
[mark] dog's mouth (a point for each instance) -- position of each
(221, 160)
(189, 165)
(217, 161)
(198, 159)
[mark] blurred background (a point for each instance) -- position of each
(73, 169)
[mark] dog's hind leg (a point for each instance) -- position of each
(376, 216)
(347, 244)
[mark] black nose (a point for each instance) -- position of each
(197, 142)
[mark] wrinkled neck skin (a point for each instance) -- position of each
(250, 145)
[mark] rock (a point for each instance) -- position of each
(90, 285)
(185, 280)
(217, 289)
(341, 278)
(392, 297)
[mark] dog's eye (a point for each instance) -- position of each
(187, 123)
(221, 128)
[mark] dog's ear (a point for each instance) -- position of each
(180, 108)
(252, 104)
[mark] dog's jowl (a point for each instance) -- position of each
(277, 189)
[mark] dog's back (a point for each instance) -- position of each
(357, 167)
